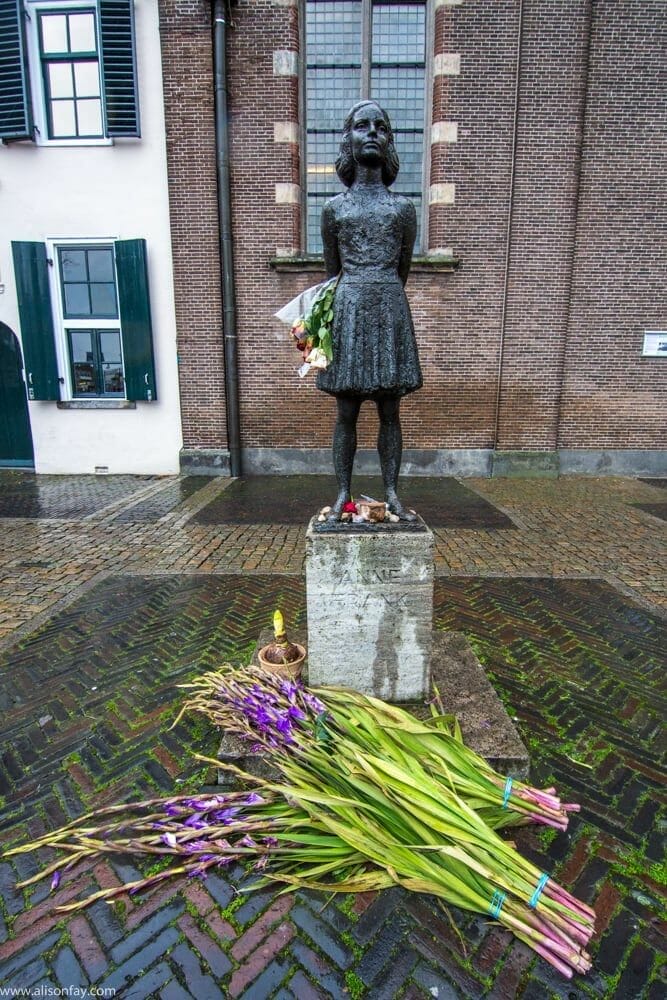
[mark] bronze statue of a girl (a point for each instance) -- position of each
(368, 235)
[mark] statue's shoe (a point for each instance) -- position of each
(396, 507)
(337, 507)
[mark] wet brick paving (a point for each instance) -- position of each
(43, 497)
(654, 509)
(164, 501)
(441, 502)
(567, 614)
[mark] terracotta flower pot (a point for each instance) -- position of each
(288, 670)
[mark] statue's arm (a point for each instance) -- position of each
(408, 241)
(330, 241)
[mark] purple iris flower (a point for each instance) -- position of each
(224, 816)
(195, 822)
(172, 809)
(194, 846)
(253, 799)
(283, 725)
(289, 689)
(55, 881)
(313, 703)
(205, 804)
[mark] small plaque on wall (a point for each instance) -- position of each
(655, 344)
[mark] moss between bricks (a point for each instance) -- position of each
(355, 986)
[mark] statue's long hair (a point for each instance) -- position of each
(346, 167)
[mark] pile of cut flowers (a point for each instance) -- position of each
(368, 797)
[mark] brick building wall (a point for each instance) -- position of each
(185, 32)
(613, 397)
(459, 336)
(535, 354)
(551, 93)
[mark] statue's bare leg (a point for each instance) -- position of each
(344, 449)
(390, 447)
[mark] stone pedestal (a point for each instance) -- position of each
(369, 592)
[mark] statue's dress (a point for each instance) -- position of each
(374, 348)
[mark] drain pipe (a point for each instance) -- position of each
(226, 245)
(510, 210)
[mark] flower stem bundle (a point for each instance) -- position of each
(369, 796)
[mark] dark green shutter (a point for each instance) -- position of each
(15, 109)
(135, 319)
(39, 349)
(119, 68)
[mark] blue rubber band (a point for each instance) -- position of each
(544, 878)
(496, 904)
(508, 792)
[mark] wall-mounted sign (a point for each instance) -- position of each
(655, 344)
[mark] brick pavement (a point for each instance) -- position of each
(103, 614)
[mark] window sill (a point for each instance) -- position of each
(45, 143)
(421, 264)
(96, 404)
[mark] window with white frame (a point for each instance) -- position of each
(357, 49)
(70, 72)
(84, 310)
(67, 71)
(88, 305)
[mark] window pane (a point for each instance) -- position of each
(330, 95)
(54, 33)
(333, 32)
(112, 365)
(103, 300)
(110, 346)
(77, 302)
(82, 345)
(100, 265)
(82, 32)
(87, 78)
(83, 365)
(113, 378)
(315, 205)
(400, 91)
(73, 264)
(398, 33)
(60, 80)
(62, 117)
(321, 156)
(89, 114)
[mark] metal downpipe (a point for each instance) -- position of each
(226, 243)
(508, 226)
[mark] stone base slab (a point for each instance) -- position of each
(459, 462)
(369, 599)
(467, 692)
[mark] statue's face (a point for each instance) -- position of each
(369, 136)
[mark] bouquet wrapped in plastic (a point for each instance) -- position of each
(310, 317)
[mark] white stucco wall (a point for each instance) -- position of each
(96, 192)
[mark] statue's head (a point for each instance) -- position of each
(346, 164)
